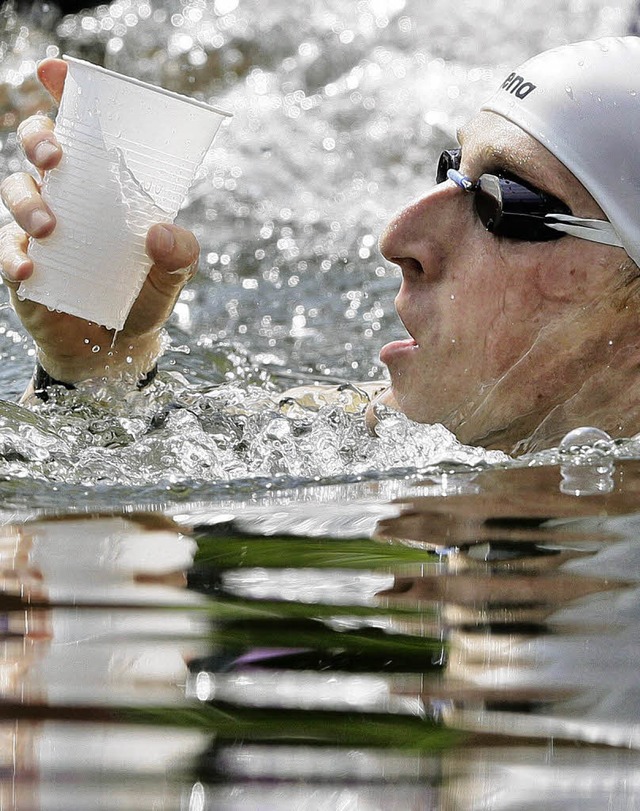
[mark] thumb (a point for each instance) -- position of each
(174, 253)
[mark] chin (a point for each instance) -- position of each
(391, 399)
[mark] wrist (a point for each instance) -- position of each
(133, 360)
(42, 381)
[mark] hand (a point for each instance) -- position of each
(65, 344)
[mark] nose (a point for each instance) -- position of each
(418, 238)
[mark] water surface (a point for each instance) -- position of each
(475, 648)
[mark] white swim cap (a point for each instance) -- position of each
(582, 102)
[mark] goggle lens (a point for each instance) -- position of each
(506, 207)
(449, 159)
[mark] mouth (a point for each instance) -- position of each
(397, 349)
(401, 349)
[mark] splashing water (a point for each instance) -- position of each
(175, 432)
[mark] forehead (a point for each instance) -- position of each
(492, 142)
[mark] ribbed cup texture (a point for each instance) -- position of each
(130, 153)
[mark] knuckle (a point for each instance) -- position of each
(38, 142)
(9, 183)
(10, 191)
(11, 235)
(34, 125)
(18, 190)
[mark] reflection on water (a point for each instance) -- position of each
(478, 649)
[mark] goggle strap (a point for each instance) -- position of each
(463, 181)
(599, 231)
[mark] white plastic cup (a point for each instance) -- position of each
(130, 154)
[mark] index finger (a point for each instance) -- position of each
(52, 73)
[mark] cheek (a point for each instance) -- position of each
(572, 274)
(510, 307)
(501, 286)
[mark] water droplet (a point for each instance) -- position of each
(584, 436)
(129, 359)
(95, 348)
(86, 340)
(632, 93)
(569, 91)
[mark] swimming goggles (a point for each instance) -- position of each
(510, 208)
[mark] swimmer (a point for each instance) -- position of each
(521, 285)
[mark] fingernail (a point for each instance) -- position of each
(38, 222)
(23, 269)
(45, 152)
(165, 240)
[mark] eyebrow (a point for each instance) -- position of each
(504, 160)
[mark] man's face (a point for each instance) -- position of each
(476, 305)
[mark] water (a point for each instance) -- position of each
(218, 593)
(476, 647)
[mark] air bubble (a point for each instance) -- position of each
(584, 436)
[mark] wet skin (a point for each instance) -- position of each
(499, 328)
(509, 339)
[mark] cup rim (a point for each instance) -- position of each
(146, 85)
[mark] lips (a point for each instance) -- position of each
(397, 349)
